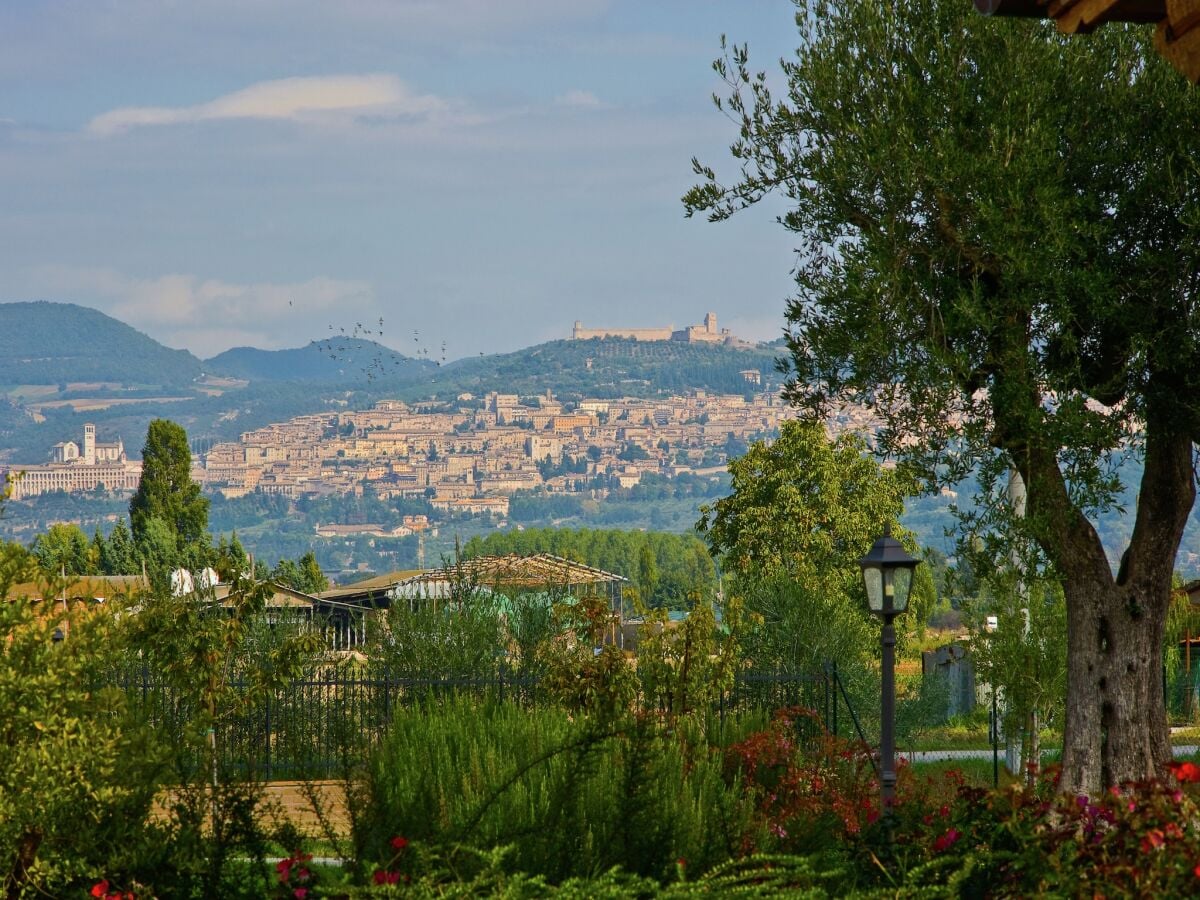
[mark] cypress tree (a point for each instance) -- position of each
(166, 490)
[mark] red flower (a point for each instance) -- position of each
(1185, 771)
(1153, 840)
(946, 841)
(399, 843)
(1196, 871)
(100, 888)
(382, 876)
(300, 893)
(681, 862)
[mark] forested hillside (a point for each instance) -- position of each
(61, 343)
(348, 360)
(614, 367)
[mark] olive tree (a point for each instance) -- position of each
(998, 256)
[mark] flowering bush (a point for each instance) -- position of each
(105, 891)
(809, 796)
(1136, 840)
(822, 798)
(296, 879)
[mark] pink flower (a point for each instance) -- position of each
(300, 893)
(946, 841)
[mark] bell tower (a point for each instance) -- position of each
(89, 445)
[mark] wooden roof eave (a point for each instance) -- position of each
(1177, 37)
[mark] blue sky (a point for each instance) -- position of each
(221, 173)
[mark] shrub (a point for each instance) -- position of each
(573, 797)
(76, 776)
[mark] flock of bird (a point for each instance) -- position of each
(341, 345)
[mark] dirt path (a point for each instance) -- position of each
(293, 801)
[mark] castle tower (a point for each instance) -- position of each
(710, 323)
(89, 445)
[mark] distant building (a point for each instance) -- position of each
(98, 465)
(707, 333)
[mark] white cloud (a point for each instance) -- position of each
(208, 316)
(581, 99)
(332, 98)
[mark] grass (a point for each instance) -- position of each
(977, 772)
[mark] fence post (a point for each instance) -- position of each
(835, 698)
(268, 744)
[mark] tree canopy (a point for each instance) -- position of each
(998, 256)
(803, 511)
(166, 491)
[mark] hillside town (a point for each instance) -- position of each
(471, 456)
(468, 456)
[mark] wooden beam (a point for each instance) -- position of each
(1024, 9)
(1081, 16)
(1180, 50)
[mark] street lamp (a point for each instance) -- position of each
(888, 574)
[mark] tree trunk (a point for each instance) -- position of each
(1116, 727)
(1116, 724)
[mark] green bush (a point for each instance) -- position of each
(573, 797)
(76, 777)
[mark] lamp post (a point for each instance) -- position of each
(887, 574)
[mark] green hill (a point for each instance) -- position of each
(341, 361)
(613, 367)
(57, 343)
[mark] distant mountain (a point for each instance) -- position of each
(59, 345)
(615, 367)
(342, 361)
(56, 343)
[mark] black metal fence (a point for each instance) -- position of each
(317, 727)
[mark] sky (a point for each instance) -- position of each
(474, 173)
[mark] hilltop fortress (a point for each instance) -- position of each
(692, 334)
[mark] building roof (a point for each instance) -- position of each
(376, 586)
(282, 597)
(1177, 37)
(536, 571)
(84, 587)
